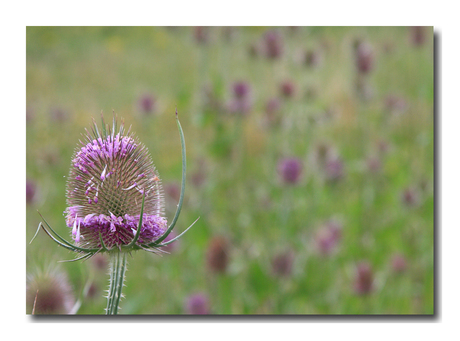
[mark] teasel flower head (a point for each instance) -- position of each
(114, 195)
(115, 202)
(49, 292)
(110, 177)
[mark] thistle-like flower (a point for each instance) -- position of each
(115, 201)
(110, 177)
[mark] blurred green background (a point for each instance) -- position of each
(353, 234)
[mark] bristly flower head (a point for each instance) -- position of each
(111, 174)
(115, 202)
(49, 292)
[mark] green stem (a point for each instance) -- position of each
(117, 276)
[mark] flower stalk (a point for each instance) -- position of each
(117, 276)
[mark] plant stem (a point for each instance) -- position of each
(117, 276)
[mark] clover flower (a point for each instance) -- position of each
(115, 202)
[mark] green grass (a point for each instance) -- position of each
(86, 70)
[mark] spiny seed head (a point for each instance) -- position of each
(110, 174)
(49, 292)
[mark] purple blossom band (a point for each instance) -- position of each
(115, 231)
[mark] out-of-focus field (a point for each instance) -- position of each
(363, 140)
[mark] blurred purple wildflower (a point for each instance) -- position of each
(49, 292)
(273, 45)
(241, 101)
(201, 34)
(31, 191)
(398, 263)
(146, 103)
(328, 237)
(417, 35)
(334, 169)
(410, 197)
(282, 264)
(364, 57)
(288, 89)
(290, 170)
(241, 90)
(272, 110)
(109, 176)
(364, 278)
(197, 304)
(217, 254)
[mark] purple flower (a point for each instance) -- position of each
(417, 35)
(49, 292)
(31, 190)
(328, 237)
(398, 263)
(364, 57)
(287, 89)
(201, 34)
(146, 103)
(110, 174)
(272, 109)
(282, 264)
(241, 101)
(290, 170)
(197, 304)
(241, 89)
(410, 197)
(364, 278)
(334, 169)
(273, 45)
(217, 255)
